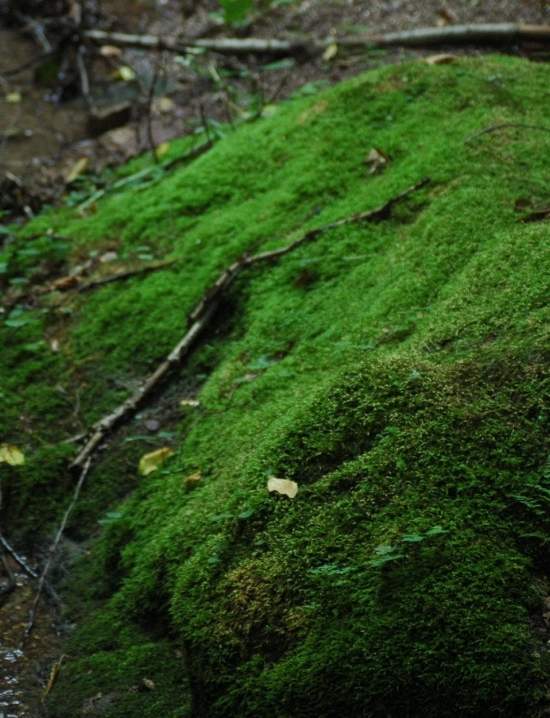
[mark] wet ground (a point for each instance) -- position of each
(25, 667)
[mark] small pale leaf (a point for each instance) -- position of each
(77, 169)
(150, 462)
(282, 486)
(11, 455)
(13, 98)
(331, 52)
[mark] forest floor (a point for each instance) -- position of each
(47, 131)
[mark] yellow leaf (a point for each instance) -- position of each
(13, 98)
(192, 480)
(282, 486)
(11, 455)
(151, 462)
(124, 73)
(331, 52)
(162, 149)
(77, 169)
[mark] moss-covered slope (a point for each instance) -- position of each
(397, 371)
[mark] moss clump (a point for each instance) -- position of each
(396, 370)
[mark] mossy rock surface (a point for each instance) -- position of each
(396, 370)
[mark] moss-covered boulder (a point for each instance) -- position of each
(396, 370)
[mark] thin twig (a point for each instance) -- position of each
(84, 79)
(20, 560)
(505, 126)
(17, 557)
(53, 548)
(126, 274)
(201, 316)
(150, 100)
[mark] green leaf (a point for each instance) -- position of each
(236, 11)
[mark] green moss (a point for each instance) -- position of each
(396, 370)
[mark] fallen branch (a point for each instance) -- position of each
(201, 316)
(53, 548)
(485, 33)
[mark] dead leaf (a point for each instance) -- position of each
(77, 169)
(192, 403)
(149, 684)
(282, 486)
(331, 52)
(54, 345)
(11, 455)
(109, 51)
(376, 160)
(54, 674)
(150, 462)
(443, 58)
(193, 480)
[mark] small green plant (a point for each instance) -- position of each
(386, 553)
(236, 11)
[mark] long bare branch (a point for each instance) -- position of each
(203, 313)
(485, 33)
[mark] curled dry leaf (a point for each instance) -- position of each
(11, 455)
(150, 462)
(376, 160)
(443, 58)
(282, 486)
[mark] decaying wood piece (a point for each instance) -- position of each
(201, 316)
(482, 33)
